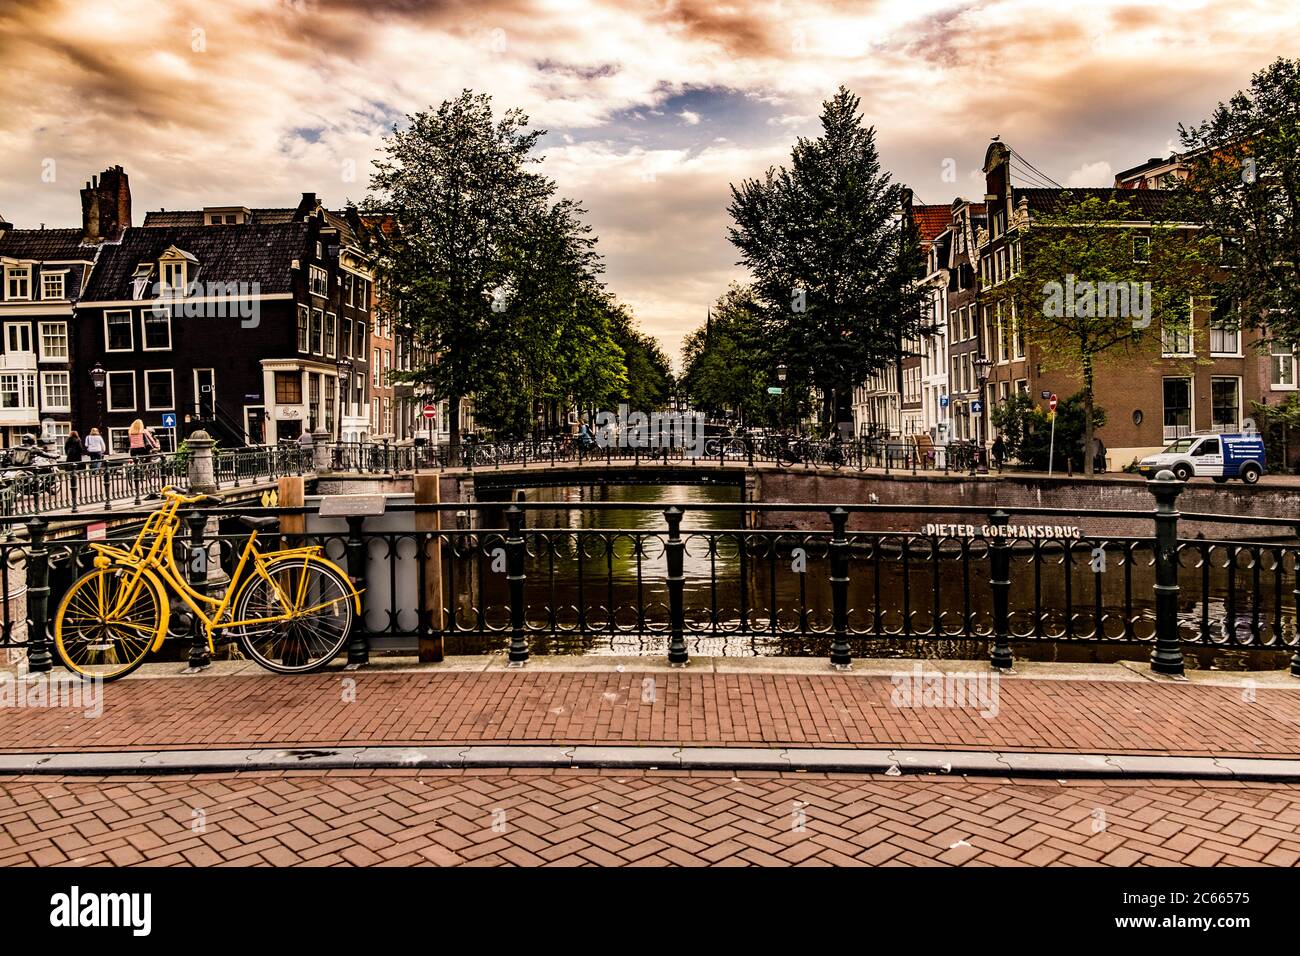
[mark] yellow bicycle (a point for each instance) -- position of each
(290, 610)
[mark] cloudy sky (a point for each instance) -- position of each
(652, 108)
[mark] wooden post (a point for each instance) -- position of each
(292, 495)
(429, 521)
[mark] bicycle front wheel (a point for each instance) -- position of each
(296, 619)
(108, 621)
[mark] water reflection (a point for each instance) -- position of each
(604, 572)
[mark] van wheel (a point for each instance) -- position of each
(1219, 479)
(1182, 471)
(1250, 474)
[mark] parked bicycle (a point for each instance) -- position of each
(290, 610)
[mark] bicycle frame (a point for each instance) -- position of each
(156, 558)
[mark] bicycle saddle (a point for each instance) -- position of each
(255, 522)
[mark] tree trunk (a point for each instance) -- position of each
(1087, 416)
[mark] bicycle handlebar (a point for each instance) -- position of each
(169, 492)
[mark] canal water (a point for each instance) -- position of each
(604, 571)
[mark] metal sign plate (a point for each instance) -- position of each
(351, 506)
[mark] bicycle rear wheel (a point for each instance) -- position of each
(108, 621)
(298, 620)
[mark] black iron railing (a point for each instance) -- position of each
(518, 577)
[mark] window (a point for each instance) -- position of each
(330, 388)
(157, 330)
(1176, 337)
(52, 285)
(119, 440)
(159, 391)
(18, 390)
(140, 280)
(288, 388)
(1178, 408)
(119, 332)
(346, 336)
(56, 392)
(166, 438)
(1208, 447)
(374, 413)
(173, 276)
(345, 280)
(376, 357)
(1225, 329)
(388, 416)
(121, 391)
(1283, 365)
(54, 341)
(317, 331)
(362, 294)
(360, 350)
(388, 360)
(313, 399)
(1141, 248)
(1225, 404)
(303, 313)
(18, 337)
(331, 327)
(18, 282)
(320, 281)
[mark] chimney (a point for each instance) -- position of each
(306, 206)
(106, 206)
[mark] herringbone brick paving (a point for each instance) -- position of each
(581, 818)
(699, 709)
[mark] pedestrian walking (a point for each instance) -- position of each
(95, 449)
(73, 450)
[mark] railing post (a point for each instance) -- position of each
(839, 548)
(197, 574)
(515, 581)
(358, 642)
(38, 597)
(675, 549)
(1000, 581)
(1167, 656)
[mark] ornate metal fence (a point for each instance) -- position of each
(526, 579)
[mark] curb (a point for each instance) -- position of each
(891, 762)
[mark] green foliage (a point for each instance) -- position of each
(1081, 299)
(727, 366)
(495, 276)
(1243, 183)
(832, 261)
(1027, 430)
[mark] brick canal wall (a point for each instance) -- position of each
(1010, 492)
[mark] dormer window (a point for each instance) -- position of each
(140, 280)
(319, 280)
(52, 285)
(173, 276)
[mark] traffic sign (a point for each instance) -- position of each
(169, 420)
(977, 406)
(943, 401)
(1051, 402)
(430, 411)
(774, 390)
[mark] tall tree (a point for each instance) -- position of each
(457, 187)
(1084, 293)
(1243, 183)
(832, 260)
(726, 365)
(650, 381)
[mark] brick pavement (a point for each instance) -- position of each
(430, 707)
(581, 818)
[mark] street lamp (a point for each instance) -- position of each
(780, 377)
(98, 378)
(982, 366)
(344, 367)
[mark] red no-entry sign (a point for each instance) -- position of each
(430, 411)
(1051, 402)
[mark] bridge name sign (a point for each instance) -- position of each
(1007, 531)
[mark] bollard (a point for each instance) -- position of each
(1167, 656)
(675, 550)
(1000, 581)
(201, 472)
(358, 643)
(197, 576)
(839, 548)
(515, 581)
(38, 598)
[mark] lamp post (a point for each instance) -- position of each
(781, 371)
(98, 378)
(344, 367)
(982, 366)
